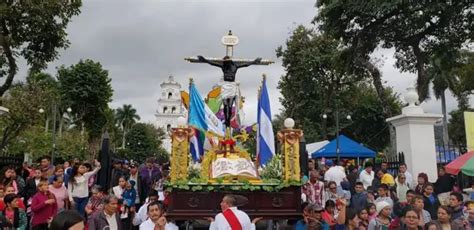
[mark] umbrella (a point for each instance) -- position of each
(464, 163)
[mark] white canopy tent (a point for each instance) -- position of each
(313, 147)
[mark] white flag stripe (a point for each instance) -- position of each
(213, 123)
(266, 130)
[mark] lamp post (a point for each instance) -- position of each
(53, 135)
(348, 117)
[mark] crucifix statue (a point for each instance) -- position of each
(229, 66)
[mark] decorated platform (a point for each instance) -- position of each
(200, 176)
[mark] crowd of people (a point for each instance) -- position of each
(349, 197)
(334, 197)
(35, 196)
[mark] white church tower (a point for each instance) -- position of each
(169, 108)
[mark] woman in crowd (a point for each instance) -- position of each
(11, 190)
(418, 205)
(430, 201)
(432, 226)
(329, 212)
(444, 185)
(364, 219)
(422, 180)
(444, 219)
(8, 178)
(349, 218)
(372, 211)
(58, 171)
(60, 192)
(95, 202)
(331, 192)
(12, 217)
(43, 207)
(411, 219)
(20, 183)
(78, 187)
(383, 216)
(67, 220)
(401, 187)
(118, 190)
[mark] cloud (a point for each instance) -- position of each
(142, 42)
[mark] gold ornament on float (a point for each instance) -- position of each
(289, 139)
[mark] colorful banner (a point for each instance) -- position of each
(469, 123)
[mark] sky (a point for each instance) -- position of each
(142, 42)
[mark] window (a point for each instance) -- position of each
(169, 95)
(168, 127)
(165, 109)
(173, 109)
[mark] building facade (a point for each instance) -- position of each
(169, 108)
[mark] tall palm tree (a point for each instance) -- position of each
(126, 117)
(441, 73)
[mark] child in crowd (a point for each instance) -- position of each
(129, 195)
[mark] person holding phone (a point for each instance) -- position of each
(43, 207)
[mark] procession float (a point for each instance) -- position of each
(201, 176)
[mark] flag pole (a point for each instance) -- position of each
(191, 81)
(257, 154)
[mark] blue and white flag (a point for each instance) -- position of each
(197, 145)
(266, 139)
(201, 116)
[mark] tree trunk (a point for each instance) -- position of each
(12, 67)
(46, 125)
(61, 121)
(123, 139)
(377, 82)
(421, 81)
(445, 119)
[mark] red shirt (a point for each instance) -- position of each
(21, 205)
(42, 212)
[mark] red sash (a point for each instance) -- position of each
(232, 219)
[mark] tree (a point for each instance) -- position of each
(441, 74)
(86, 87)
(34, 141)
(466, 72)
(415, 29)
(33, 30)
(368, 124)
(126, 117)
(143, 141)
(315, 78)
(23, 101)
(317, 82)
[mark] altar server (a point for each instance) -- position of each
(231, 217)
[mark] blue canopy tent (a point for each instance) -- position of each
(348, 148)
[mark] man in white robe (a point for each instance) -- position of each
(231, 218)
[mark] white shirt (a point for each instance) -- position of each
(80, 188)
(112, 220)
(149, 225)
(335, 174)
(220, 223)
(118, 191)
(366, 178)
(142, 215)
(409, 180)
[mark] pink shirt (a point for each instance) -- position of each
(60, 194)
